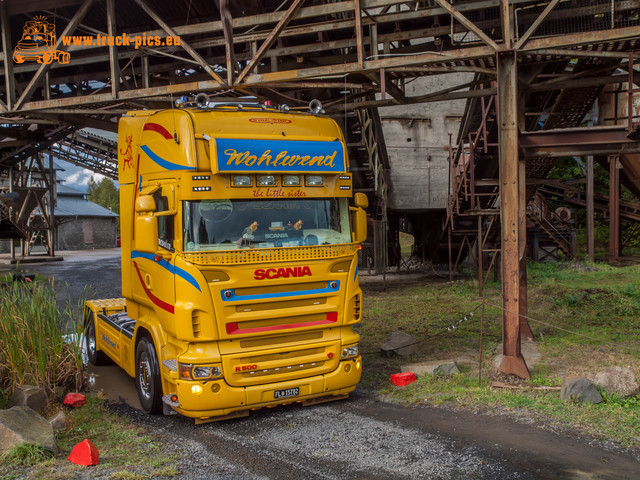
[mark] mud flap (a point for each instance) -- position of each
(229, 416)
(325, 399)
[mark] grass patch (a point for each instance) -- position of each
(33, 349)
(592, 300)
(126, 451)
(26, 454)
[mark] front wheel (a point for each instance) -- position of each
(148, 376)
(96, 357)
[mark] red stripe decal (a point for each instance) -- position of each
(155, 127)
(232, 328)
(135, 197)
(154, 299)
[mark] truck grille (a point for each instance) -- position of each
(261, 255)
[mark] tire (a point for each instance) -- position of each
(46, 58)
(96, 357)
(64, 58)
(148, 382)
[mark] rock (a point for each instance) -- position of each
(58, 421)
(620, 380)
(59, 393)
(438, 367)
(399, 343)
(24, 425)
(579, 389)
(29, 396)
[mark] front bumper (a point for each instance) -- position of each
(219, 399)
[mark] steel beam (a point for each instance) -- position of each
(113, 49)
(510, 198)
(8, 61)
(590, 210)
(170, 31)
(77, 18)
(269, 40)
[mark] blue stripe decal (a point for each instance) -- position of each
(355, 275)
(162, 162)
(167, 266)
(234, 298)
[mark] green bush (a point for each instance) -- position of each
(33, 347)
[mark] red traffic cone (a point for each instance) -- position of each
(85, 453)
(74, 399)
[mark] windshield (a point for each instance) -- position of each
(232, 224)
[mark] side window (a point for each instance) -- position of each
(165, 223)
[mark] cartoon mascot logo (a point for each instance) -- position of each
(38, 43)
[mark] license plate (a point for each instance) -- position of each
(287, 392)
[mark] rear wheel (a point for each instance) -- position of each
(148, 376)
(96, 357)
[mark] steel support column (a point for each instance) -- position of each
(614, 208)
(590, 210)
(510, 211)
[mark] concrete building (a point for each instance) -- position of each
(81, 224)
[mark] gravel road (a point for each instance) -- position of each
(359, 438)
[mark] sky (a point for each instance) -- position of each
(78, 177)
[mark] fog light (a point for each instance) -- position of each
(196, 389)
(215, 388)
(347, 367)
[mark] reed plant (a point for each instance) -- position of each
(35, 333)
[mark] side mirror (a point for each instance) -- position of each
(146, 234)
(359, 225)
(361, 200)
(145, 204)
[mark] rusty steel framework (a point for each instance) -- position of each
(530, 58)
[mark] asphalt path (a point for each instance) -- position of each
(359, 438)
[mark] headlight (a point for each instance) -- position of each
(315, 180)
(199, 372)
(349, 352)
(241, 181)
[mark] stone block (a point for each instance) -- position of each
(438, 367)
(58, 421)
(24, 425)
(579, 389)
(399, 343)
(620, 380)
(29, 396)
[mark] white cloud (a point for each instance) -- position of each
(82, 177)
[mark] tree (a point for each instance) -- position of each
(104, 193)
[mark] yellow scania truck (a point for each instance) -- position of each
(240, 235)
